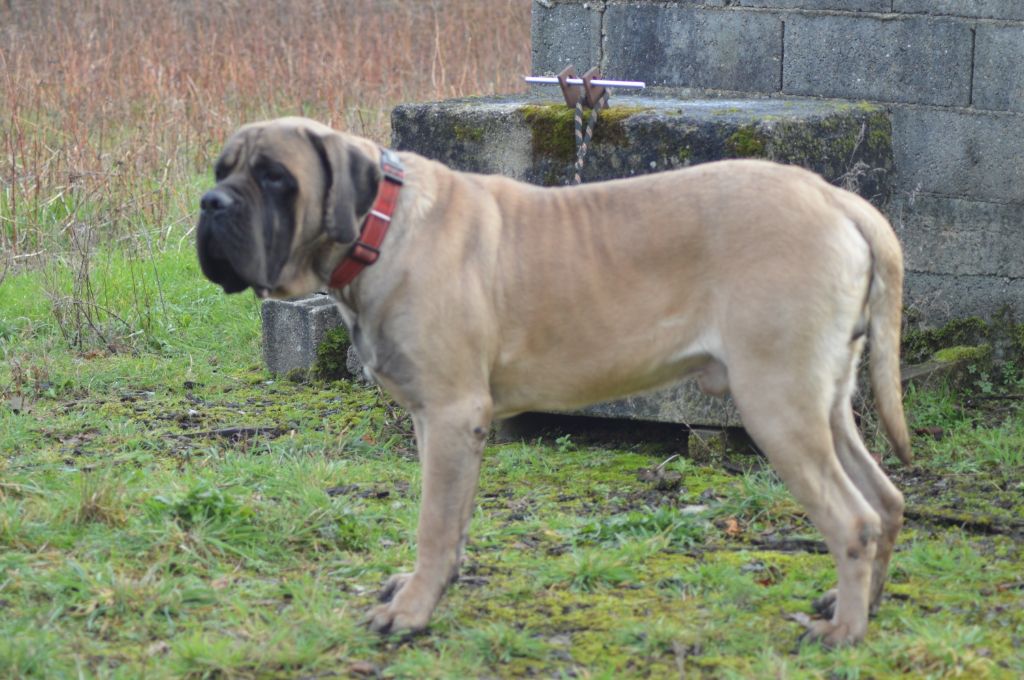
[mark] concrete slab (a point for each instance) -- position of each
(963, 237)
(564, 34)
(532, 139)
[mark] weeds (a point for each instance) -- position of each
(761, 495)
(112, 132)
(499, 643)
(97, 497)
(103, 151)
(679, 529)
(591, 569)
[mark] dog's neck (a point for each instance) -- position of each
(366, 249)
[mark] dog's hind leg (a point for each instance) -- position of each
(873, 483)
(450, 439)
(787, 416)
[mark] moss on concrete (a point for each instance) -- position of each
(921, 343)
(963, 353)
(331, 355)
(468, 133)
(993, 350)
(746, 142)
(553, 130)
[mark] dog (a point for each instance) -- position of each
(475, 297)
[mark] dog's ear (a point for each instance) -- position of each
(350, 185)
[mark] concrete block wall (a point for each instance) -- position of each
(950, 71)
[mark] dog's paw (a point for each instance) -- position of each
(392, 586)
(389, 619)
(825, 631)
(403, 609)
(825, 606)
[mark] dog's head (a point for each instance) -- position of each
(287, 189)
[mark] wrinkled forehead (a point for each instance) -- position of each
(281, 141)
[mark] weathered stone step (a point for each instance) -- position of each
(532, 139)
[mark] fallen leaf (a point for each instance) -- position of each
(936, 433)
(158, 648)
(364, 668)
(732, 527)
(663, 480)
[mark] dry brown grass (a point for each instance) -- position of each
(109, 108)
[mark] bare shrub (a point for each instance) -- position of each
(109, 110)
(108, 107)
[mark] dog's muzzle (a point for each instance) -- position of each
(224, 251)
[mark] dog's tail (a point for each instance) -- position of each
(885, 309)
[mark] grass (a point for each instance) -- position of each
(135, 540)
(168, 509)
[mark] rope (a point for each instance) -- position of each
(583, 138)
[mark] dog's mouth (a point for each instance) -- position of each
(224, 259)
(239, 249)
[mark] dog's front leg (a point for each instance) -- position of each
(450, 441)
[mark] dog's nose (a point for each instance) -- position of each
(214, 200)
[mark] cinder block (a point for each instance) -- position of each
(980, 9)
(940, 298)
(914, 60)
(354, 364)
(565, 33)
(293, 329)
(844, 5)
(943, 235)
(682, 46)
(999, 68)
(960, 153)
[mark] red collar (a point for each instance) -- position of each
(366, 249)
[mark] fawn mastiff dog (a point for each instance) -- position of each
(487, 297)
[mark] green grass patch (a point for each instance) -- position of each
(168, 509)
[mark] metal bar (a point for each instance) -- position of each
(544, 80)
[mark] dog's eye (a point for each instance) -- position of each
(220, 171)
(273, 178)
